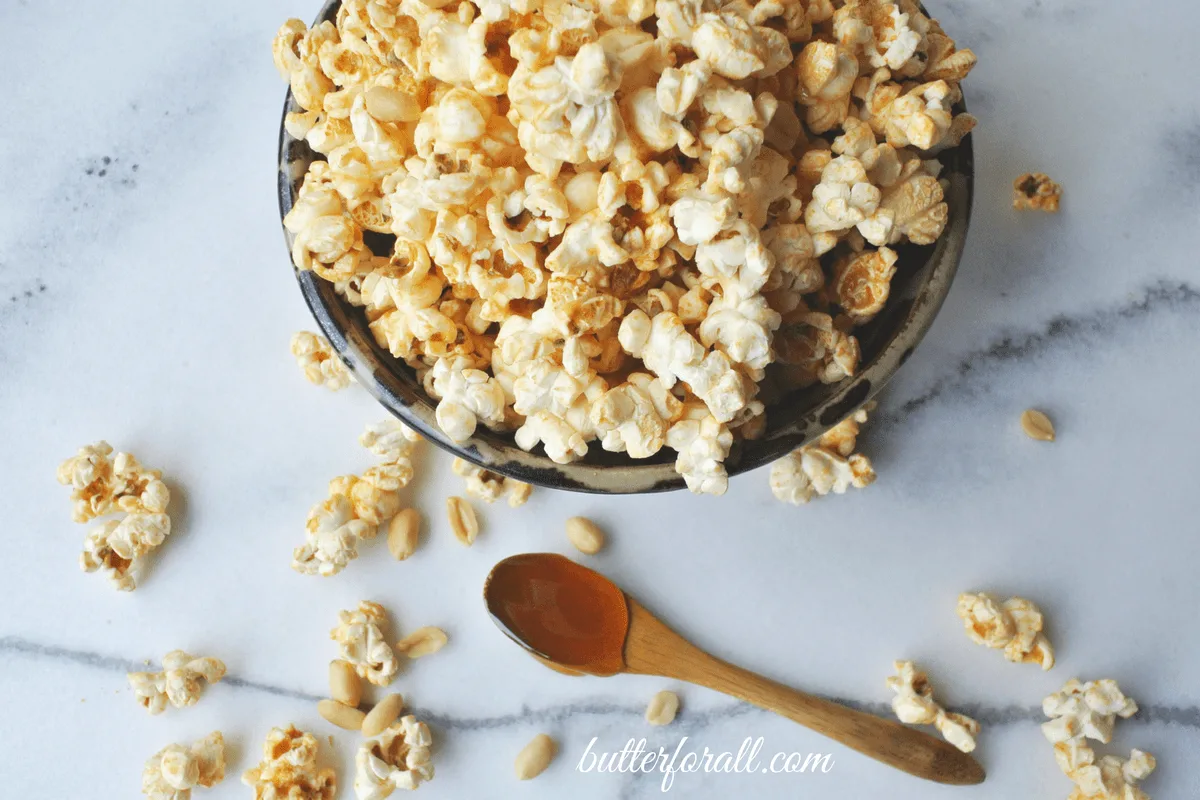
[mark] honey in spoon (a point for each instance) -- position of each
(560, 611)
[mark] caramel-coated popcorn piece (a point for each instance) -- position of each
(361, 643)
(1034, 191)
(172, 773)
(914, 704)
(1014, 626)
(399, 758)
(490, 486)
(289, 769)
(101, 486)
(180, 683)
(320, 364)
(828, 465)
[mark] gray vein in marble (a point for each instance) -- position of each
(1165, 295)
(689, 721)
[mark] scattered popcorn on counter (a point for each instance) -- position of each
(399, 758)
(118, 548)
(1082, 711)
(361, 643)
(609, 235)
(358, 504)
(289, 769)
(180, 682)
(1014, 626)
(321, 365)
(914, 705)
(100, 486)
(172, 773)
(829, 465)
(1086, 710)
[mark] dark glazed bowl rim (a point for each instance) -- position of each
(921, 284)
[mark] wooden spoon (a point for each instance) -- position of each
(575, 620)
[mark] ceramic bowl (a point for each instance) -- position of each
(920, 286)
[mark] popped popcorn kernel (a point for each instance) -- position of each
(399, 758)
(1082, 711)
(828, 465)
(1014, 626)
(1034, 191)
(361, 643)
(119, 548)
(320, 364)
(179, 683)
(172, 773)
(710, 195)
(914, 704)
(490, 486)
(289, 768)
(100, 485)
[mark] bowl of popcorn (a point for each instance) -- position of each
(623, 246)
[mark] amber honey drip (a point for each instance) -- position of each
(559, 610)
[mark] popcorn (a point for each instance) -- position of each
(100, 486)
(1082, 711)
(490, 486)
(1085, 710)
(635, 417)
(391, 440)
(827, 72)
(119, 547)
(829, 465)
(610, 218)
(1035, 191)
(882, 32)
(289, 768)
(361, 642)
(702, 443)
(320, 364)
(172, 773)
(861, 283)
(914, 705)
(398, 759)
(179, 683)
(466, 397)
(1014, 626)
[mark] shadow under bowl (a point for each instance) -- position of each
(922, 281)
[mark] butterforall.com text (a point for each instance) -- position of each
(634, 758)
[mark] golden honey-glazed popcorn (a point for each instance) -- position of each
(180, 682)
(615, 222)
(101, 486)
(320, 364)
(1014, 626)
(490, 486)
(358, 505)
(399, 758)
(1034, 191)
(914, 704)
(1086, 710)
(118, 547)
(288, 770)
(361, 643)
(828, 465)
(1082, 711)
(172, 773)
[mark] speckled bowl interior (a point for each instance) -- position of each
(920, 286)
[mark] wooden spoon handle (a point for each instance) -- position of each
(654, 649)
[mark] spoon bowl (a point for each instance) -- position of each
(576, 621)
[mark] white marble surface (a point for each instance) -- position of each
(145, 297)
